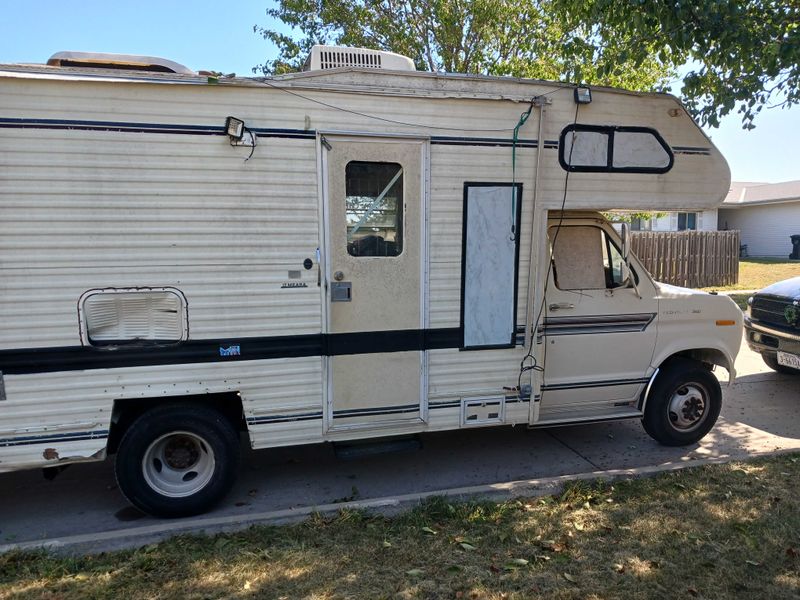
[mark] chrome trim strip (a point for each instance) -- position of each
(646, 395)
(776, 332)
(586, 325)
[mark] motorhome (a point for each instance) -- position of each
(358, 250)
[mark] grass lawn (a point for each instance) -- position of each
(756, 273)
(723, 531)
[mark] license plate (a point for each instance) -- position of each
(788, 360)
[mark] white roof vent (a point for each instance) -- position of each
(334, 57)
(127, 62)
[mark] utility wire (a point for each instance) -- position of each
(534, 366)
(393, 121)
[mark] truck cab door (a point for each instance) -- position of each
(599, 332)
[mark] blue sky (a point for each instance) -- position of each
(219, 36)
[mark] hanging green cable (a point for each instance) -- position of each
(522, 119)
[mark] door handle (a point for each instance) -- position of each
(561, 306)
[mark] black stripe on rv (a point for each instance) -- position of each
(124, 126)
(497, 142)
(75, 436)
(169, 128)
(585, 325)
(594, 384)
(80, 358)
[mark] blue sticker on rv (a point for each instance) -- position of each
(230, 351)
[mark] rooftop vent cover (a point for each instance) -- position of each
(126, 62)
(334, 57)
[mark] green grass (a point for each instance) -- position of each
(740, 299)
(757, 273)
(724, 531)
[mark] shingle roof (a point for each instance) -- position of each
(744, 192)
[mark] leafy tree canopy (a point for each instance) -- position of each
(742, 54)
(523, 38)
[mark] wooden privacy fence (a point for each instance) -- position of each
(689, 258)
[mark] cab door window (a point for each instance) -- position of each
(585, 258)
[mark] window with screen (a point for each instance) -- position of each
(613, 149)
(585, 258)
(374, 208)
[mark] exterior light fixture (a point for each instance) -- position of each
(583, 95)
(234, 128)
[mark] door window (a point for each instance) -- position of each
(374, 208)
(585, 258)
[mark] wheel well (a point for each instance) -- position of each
(128, 410)
(708, 357)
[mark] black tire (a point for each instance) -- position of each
(771, 361)
(683, 405)
(177, 460)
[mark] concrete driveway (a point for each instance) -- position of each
(83, 509)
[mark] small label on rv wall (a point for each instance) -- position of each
(294, 284)
(230, 351)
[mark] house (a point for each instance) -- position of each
(767, 214)
(701, 220)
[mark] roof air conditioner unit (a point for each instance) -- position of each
(334, 57)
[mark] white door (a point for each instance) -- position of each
(374, 239)
(599, 335)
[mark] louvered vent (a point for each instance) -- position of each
(134, 315)
(335, 57)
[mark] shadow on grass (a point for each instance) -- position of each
(715, 532)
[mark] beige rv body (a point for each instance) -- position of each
(126, 181)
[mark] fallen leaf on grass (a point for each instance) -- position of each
(515, 563)
(428, 530)
(753, 563)
(387, 544)
(467, 546)
(552, 545)
(415, 572)
(619, 567)
(569, 578)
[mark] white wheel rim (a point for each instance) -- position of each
(178, 464)
(688, 407)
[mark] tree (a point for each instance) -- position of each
(523, 38)
(742, 54)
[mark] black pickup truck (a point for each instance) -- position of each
(772, 323)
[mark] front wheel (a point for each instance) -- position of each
(683, 405)
(178, 460)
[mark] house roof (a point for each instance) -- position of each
(749, 193)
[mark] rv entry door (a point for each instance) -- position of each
(374, 219)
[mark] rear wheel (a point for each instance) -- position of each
(683, 405)
(177, 460)
(771, 361)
